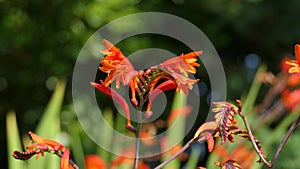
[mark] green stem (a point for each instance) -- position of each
(137, 141)
(286, 137)
(186, 146)
(138, 131)
(267, 163)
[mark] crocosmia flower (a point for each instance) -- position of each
(295, 68)
(93, 161)
(117, 65)
(43, 145)
(145, 85)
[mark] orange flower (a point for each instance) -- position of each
(183, 63)
(183, 83)
(182, 111)
(169, 151)
(241, 154)
(94, 162)
(44, 145)
(179, 67)
(116, 65)
(295, 68)
(291, 99)
(123, 159)
(42, 141)
(147, 135)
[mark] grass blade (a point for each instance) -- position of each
(49, 127)
(13, 141)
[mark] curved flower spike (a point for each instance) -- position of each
(225, 118)
(43, 145)
(118, 98)
(295, 68)
(40, 140)
(116, 65)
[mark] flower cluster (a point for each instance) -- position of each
(144, 85)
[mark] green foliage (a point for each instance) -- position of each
(49, 127)
(13, 141)
(176, 131)
(40, 41)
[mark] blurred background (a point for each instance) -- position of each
(40, 42)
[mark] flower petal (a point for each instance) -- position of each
(116, 65)
(297, 52)
(117, 97)
(165, 86)
(41, 140)
(64, 162)
(211, 125)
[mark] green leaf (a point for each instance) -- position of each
(175, 132)
(76, 144)
(49, 127)
(13, 141)
(107, 135)
(250, 99)
(193, 158)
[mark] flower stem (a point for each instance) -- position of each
(289, 132)
(137, 141)
(286, 137)
(260, 154)
(186, 146)
(139, 108)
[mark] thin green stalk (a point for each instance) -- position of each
(267, 163)
(138, 132)
(137, 141)
(186, 146)
(286, 137)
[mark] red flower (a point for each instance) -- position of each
(43, 145)
(295, 68)
(94, 162)
(116, 65)
(291, 99)
(118, 98)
